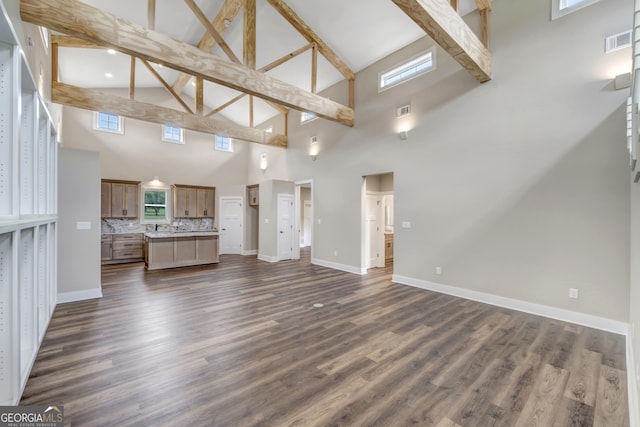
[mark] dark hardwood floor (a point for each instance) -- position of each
(240, 344)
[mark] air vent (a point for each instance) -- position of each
(618, 41)
(403, 111)
(313, 139)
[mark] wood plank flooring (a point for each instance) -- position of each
(240, 344)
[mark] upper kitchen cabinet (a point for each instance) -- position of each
(122, 197)
(193, 201)
(206, 202)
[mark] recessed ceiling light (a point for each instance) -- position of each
(111, 51)
(193, 83)
(108, 75)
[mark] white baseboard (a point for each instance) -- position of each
(591, 321)
(341, 267)
(79, 295)
(632, 385)
(249, 252)
(268, 258)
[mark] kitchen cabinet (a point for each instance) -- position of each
(105, 247)
(105, 199)
(119, 199)
(254, 195)
(169, 250)
(191, 201)
(206, 202)
(127, 246)
(121, 248)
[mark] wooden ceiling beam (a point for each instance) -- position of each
(227, 13)
(306, 31)
(102, 28)
(95, 100)
(285, 58)
(212, 31)
(69, 41)
(249, 34)
(151, 14)
(166, 85)
(226, 104)
(446, 27)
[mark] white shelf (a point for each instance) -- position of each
(28, 217)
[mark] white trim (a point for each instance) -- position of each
(342, 267)
(583, 319)
(78, 296)
(249, 252)
(268, 258)
(632, 385)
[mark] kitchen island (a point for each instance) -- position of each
(164, 249)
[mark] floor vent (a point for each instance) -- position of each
(618, 41)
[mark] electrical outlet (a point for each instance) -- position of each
(574, 293)
(335, 252)
(438, 270)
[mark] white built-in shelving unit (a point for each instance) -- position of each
(28, 216)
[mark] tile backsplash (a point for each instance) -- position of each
(121, 226)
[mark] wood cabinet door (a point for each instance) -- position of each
(105, 200)
(117, 200)
(207, 248)
(206, 203)
(185, 202)
(131, 201)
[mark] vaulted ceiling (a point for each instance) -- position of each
(322, 42)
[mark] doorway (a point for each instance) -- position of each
(231, 219)
(285, 226)
(377, 221)
(304, 220)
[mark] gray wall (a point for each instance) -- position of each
(517, 187)
(78, 200)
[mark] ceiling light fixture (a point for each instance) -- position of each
(111, 51)
(313, 147)
(108, 75)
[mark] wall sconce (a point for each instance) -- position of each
(403, 135)
(263, 162)
(313, 147)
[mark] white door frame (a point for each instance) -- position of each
(220, 222)
(292, 233)
(297, 210)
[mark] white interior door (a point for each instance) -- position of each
(285, 226)
(231, 219)
(374, 237)
(306, 224)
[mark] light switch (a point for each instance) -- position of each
(406, 224)
(83, 225)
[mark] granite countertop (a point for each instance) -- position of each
(168, 234)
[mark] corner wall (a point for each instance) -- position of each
(78, 202)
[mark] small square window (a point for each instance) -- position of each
(172, 134)
(108, 123)
(224, 143)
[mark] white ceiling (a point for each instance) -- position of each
(360, 32)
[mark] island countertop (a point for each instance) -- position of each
(169, 234)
